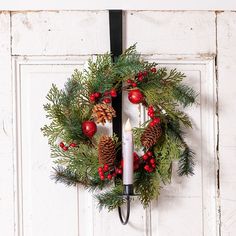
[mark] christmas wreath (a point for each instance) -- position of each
(83, 156)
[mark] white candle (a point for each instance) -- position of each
(127, 147)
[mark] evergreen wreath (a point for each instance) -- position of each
(90, 159)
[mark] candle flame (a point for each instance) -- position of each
(128, 126)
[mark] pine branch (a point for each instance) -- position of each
(65, 176)
(111, 199)
(186, 163)
(186, 160)
(147, 185)
(184, 94)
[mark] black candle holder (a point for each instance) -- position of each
(128, 192)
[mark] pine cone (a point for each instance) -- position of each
(103, 112)
(106, 150)
(151, 135)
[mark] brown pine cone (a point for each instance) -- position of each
(151, 135)
(103, 112)
(106, 150)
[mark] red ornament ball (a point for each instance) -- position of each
(89, 128)
(135, 96)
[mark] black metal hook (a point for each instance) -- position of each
(125, 221)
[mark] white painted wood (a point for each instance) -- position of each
(43, 207)
(121, 4)
(171, 32)
(6, 141)
(227, 138)
(60, 33)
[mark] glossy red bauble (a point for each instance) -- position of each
(135, 96)
(89, 128)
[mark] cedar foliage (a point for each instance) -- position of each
(69, 107)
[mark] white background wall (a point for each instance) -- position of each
(33, 48)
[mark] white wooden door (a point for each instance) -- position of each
(45, 47)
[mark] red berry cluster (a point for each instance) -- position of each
(105, 172)
(149, 161)
(151, 114)
(65, 147)
(140, 77)
(105, 97)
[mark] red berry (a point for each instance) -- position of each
(97, 94)
(92, 98)
(154, 165)
(100, 169)
(102, 177)
(107, 100)
(152, 115)
(106, 167)
(140, 74)
(152, 161)
(145, 157)
(109, 176)
(145, 73)
(152, 123)
(134, 84)
(135, 154)
(119, 171)
(129, 81)
(157, 120)
(73, 145)
(65, 148)
(114, 174)
(150, 153)
(151, 109)
(113, 93)
(147, 167)
(62, 145)
(154, 70)
(140, 78)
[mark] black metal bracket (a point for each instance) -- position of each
(126, 220)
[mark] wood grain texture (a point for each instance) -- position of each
(226, 23)
(6, 140)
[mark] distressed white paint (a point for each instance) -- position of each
(6, 160)
(121, 4)
(227, 127)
